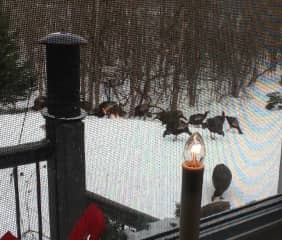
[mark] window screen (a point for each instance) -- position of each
(145, 59)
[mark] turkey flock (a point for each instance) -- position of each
(175, 124)
(174, 121)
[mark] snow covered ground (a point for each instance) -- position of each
(128, 160)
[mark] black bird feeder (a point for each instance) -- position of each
(63, 64)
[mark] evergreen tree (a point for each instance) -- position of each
(16, 77)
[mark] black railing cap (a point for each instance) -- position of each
(62, 38)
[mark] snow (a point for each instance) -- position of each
(128, 160)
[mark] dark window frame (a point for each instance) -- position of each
(258, 220)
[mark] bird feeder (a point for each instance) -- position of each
(191, 192)
(63, 75)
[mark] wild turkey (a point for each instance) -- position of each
(86, 105)
(221, 179)
(142, 110)
(215, 125)
(220, 117)
(275, 100)
(234, 123)
(103, 108)
(209, 209)
(170, 116)
(177, 127)
(197, 119)
(214, 207)
(115, 111)
(109, 108)
(39, 103)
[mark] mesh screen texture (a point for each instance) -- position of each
(188, 55)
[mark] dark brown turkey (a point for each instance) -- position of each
(215, 125)
(234, 123)
(221, 179)
(197, 119)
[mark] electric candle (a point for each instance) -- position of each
(191, 193)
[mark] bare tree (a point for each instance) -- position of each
(165, 50)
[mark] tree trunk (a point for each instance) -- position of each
(94, 57)
(176, 88)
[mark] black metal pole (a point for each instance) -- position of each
(39, 210)
(280, 174)
(17, 199)
(65, 129)
(191, 196)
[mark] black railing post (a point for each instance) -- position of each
(65, 129)
(17, 199)
(39, 210)
(280, 174)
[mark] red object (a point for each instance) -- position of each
(8, 236)
(91, 224)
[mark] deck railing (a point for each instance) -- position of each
(63, 148)
(13, 157)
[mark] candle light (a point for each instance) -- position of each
(194, 151)
(191, 193)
